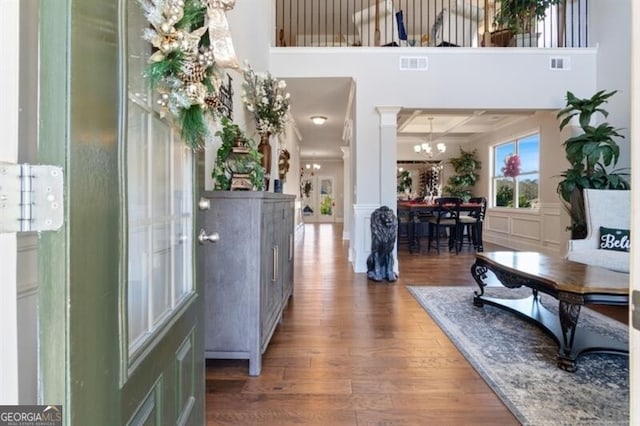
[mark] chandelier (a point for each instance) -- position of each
(425, 148)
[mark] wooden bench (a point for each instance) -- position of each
(572, 284)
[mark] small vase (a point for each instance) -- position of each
(265, 149)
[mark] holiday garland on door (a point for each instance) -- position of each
(182, 69)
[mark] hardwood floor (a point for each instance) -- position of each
(353, 352)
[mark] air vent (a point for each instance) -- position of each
(560, 63)
(415, 63)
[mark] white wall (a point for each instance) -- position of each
(251, 24)
(613, 63)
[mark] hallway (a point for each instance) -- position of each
(354, 352)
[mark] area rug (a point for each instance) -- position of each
(518, 360)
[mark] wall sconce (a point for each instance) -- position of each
(318, 120)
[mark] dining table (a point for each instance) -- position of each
(412, 210)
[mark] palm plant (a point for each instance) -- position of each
(590, 154)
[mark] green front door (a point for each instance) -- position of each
(120, 307)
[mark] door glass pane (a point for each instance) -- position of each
(139, 51)
(161, 272)
(137, 154)
(326, 197)
(160, 175)
(181, 192)
(138, 293)
(182, 258)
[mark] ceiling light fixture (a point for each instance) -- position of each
(315, 166)
(425, 148)
(318, 120)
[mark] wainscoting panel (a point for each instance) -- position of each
(552, 216)
(526, 227)
(362, 235)
(527, 230)
(498, 223)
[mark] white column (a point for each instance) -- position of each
(9, 104)
(388, 162)
(388, 154)
(347, 191)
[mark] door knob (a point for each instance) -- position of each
(204, 204)
(203, 237)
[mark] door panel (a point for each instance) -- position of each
(117, 272)
(326, 201)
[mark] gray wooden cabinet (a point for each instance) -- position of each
(248, 273)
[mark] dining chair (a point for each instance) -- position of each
(446, 221)
(471, 224)
(405, 231)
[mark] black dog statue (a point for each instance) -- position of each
(383, 240)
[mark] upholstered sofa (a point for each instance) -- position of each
(609, 209)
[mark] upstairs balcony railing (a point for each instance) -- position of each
(424, 23)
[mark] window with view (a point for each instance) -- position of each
(516, 173)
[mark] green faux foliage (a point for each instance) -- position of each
(584, 108)
(209, 84)
(592, 151)
(176, 70)
(590, 154)
(226, 163)
(170, 65)
(193, 129)
(466, 167)
(193, 16)
(404, 181)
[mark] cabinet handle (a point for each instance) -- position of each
(290, 246)
(275, 264)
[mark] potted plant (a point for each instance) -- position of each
(405, 181)
(466, 167)
(238, 161)
(520, 16)
(590, 154)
